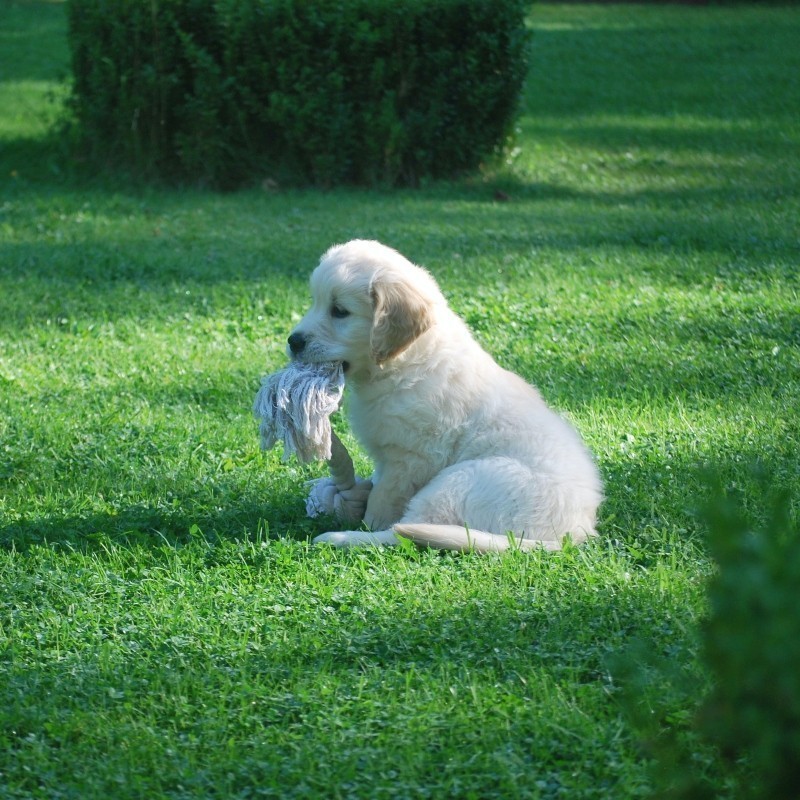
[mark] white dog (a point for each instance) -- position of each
(456, 440)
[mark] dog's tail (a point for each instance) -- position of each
(464, 540)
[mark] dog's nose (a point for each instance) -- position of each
(297, 343)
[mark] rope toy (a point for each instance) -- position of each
(294, 406)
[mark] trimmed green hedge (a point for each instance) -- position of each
(226, 92)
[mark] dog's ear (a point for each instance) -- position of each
(401, 314)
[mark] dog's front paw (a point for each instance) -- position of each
(348, 505)
(356, 538)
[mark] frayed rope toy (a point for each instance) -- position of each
(294, 406)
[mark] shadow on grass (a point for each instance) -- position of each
(708, 62)
(215, 246)
(35, 33)
(479, 692)
(247, 505)
(173, 521)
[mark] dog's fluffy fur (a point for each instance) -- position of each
(455, 439)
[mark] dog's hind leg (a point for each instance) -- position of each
(498, 497)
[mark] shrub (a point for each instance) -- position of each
(742, 739)
(752, 647)
(228, 91)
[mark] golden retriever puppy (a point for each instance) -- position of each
(463, 450)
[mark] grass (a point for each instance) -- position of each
(165, 628)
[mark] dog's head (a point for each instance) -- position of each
(369, 305)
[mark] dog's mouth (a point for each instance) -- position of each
(297, 358)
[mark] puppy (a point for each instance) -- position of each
(463, 450)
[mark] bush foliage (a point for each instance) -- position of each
(225, 92)
(752, 646)
(745, 733)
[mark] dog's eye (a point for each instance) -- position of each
(338, 312)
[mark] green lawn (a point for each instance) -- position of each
(165, 628)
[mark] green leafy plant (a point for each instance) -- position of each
(742, 739)
(224, 93)
(751, 643)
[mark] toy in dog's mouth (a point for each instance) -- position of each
(314, 364)
(294, 404)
